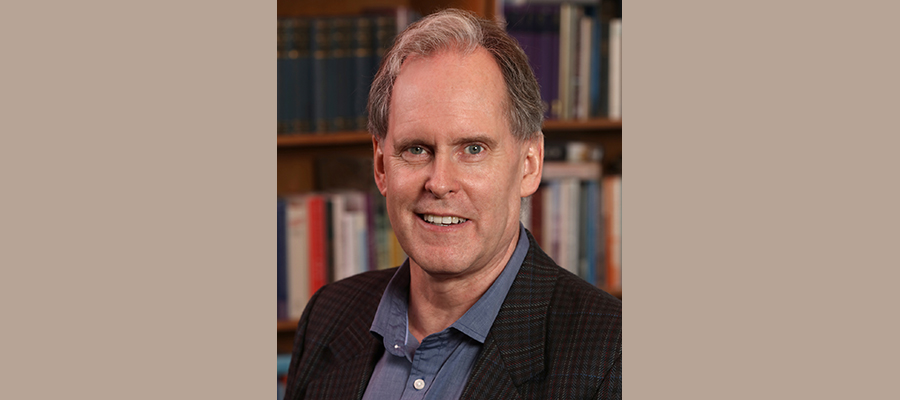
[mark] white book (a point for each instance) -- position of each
(615, 69)
(338, 209)
(585, 45)
(568, 224)
(297, 255)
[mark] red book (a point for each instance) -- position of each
(318, 252)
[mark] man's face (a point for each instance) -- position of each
(450, 169)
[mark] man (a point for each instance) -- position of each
(478, 311)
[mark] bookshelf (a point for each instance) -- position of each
(297, 153)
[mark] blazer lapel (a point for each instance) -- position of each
(355, 352)
(513, 352)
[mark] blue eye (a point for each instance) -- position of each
(416, 150)
(474, 149)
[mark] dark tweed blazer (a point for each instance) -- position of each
(555, 337)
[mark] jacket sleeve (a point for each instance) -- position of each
(611, 388)
(297, 379)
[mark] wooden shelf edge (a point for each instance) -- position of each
(287, 325)
(363, 137)
(324, 139)
(582, 125)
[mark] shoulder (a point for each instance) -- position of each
(357, 295)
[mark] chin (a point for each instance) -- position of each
(439, 263)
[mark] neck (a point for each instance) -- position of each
(436, 302)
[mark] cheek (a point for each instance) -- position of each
(402, 183)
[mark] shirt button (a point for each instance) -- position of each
(419, 384)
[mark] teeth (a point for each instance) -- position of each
(443, 220)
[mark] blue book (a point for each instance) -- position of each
(301, 75)
(284, 362)
(364, 68)
(282, 260)
(340, 77)
(598, 106)
(319, 54)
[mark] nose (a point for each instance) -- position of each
(442, 180)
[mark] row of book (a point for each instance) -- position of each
(575, 52)
(575, 217)
(284, 363)
(325, 237)
(326, 66)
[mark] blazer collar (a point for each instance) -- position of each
(517, 339)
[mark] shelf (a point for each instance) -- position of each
(363, 137)
(555, 125)
(324, 139)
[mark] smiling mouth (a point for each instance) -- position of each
(441, 220)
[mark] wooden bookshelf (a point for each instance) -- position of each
(297, 153)
(324, 139)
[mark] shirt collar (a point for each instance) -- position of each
(391, 318)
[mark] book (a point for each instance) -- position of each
(341, 75)
(584, 71)
(320, 54)
(612, 212)
(282, 260)
(364, 67)
(318, 252)
(569, 16)
(297, 255)
(615, 69)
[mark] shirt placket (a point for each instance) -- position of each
(426, 363)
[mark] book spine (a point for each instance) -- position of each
(329, 240)
(342, 78)
(371, 233)
(583, 222)
(318, 272)
(552, 40)
(591, 240)
(338, 210)
(297, 256)
(363, 60)
(615, 69)
(319, 53)
(302, 76)
(612, 214)
(332, 74)
(282, 260)
(585, 44)
(597, 104)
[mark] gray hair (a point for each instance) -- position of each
(463, 31)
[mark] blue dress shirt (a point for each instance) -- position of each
(439, 367)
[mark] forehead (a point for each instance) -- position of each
(449, 90)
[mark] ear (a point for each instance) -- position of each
(533, 166)
(379, 166)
